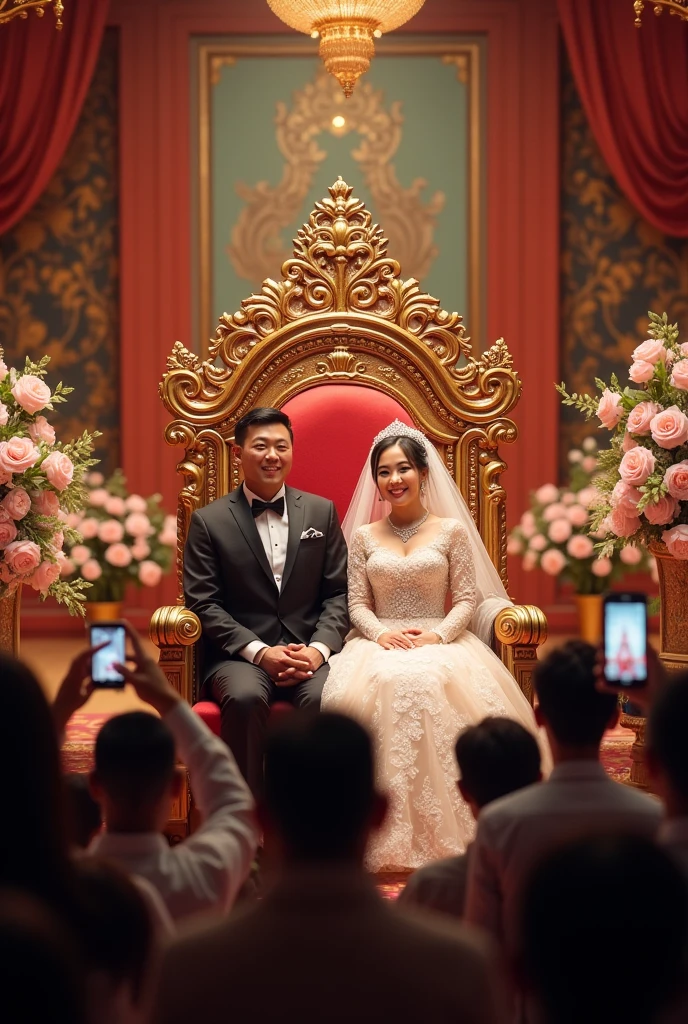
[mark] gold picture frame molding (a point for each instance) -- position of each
(467, 57)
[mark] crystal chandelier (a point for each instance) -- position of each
(20, 9)
(346, 29)
(679, 7)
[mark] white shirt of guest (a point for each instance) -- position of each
(273, 531)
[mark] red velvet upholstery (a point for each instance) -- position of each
(333, 427)
(209, 711)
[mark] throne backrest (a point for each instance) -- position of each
(344, 345)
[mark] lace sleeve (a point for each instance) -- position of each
(361, 600)
(461, 584)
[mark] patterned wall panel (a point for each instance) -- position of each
(59, 279)
(614, 268)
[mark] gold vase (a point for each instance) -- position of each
(103, 611)
(9, 623)
(589, 617)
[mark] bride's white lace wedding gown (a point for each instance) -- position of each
(415, 702)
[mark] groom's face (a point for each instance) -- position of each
(266, 457)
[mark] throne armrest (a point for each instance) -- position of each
(519, 631)
(174, 630)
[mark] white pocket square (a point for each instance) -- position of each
(310, 534)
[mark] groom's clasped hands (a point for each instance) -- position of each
(405, 639)
(291, 663)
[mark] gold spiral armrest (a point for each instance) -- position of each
(520, 630)
(174, 630)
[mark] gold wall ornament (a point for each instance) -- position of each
(256, 247)
(677, 7)
(346, 29)
(20, 9)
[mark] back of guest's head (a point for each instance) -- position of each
(260, 416)
(666, 734)
(319, 784)
(82, 811)
(582, 909)
(41, 977)
(569, 701)
(496, 757)
(134, 759)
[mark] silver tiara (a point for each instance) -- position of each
(399, 429)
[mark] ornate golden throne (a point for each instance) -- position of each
(344, 345)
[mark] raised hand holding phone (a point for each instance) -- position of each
(625, 641)
(110, 639)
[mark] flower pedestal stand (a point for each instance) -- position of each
(589, 617)
(103, 611)
(9, 623)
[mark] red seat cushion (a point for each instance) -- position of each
(209, 711)
(334, 425)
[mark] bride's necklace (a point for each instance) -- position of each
(406, 532)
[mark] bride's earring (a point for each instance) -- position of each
(422, 488)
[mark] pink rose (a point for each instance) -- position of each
(552, 562)
(513, 547)
(135, 503)
(589, 463)
(641, 372)
(559, 530)
(601, 567)
(59, 470)
(80, 554)
(67, 567)
(577, 515)
(588, 496)
(554, 511)
(650, 351)
(110, 531)
(88, 528)
(46, 503)
(628, 442)
(95, 479)
(626, 498)
(57, 541)
(610, 409)
(115, 506)
(91, 570)
(631, 555)
(141, 550)
(661, 512)
(18, 454)
(4, 414)
(639, 419)
(98, 497)
(670, 427)
(568, 498)
(538, 542)
(74, 520)
(8, 532)
(138, 525)
(41, 430)
(683, 349)
(3, 369)
(676, 541)
(22, 556)
(31, 393)
(580, 547)
(529, 561)
(621, 524)
(679, 375)
(44, 576)
(676, 479)
(636, 466)
(547, 494)
(118, 555)
(150, 574)
(17, 502)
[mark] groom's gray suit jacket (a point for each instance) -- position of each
(229, 584)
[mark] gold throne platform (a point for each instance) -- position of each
(343, 344)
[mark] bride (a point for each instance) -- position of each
(414, 674)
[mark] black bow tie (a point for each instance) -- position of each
(258, 507)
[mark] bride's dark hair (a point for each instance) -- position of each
(412, 449)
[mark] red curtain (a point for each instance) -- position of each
(633, 83)
(44, 76)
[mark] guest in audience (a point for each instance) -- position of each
(667, 760)
(496, 757)
(577, 799)
(322, 945)
(603, 934)
(83, 812)
(134, 781)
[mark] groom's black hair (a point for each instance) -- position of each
(412, 449)
(263, 414)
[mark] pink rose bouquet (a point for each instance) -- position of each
(119, 538)
(643, 480)
(554, 533)
(41, 487)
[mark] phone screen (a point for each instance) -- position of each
(625, 641)
(103, 672)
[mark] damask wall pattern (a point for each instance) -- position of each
(59, 274)
(614, 268)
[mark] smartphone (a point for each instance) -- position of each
(625, 640)
(103, 672)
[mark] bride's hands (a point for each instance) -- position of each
(422, 637)
(395, 640)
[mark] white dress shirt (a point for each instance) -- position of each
(273, 531)
(578, 799)
(205, 871)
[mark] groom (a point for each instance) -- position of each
(265, 572)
